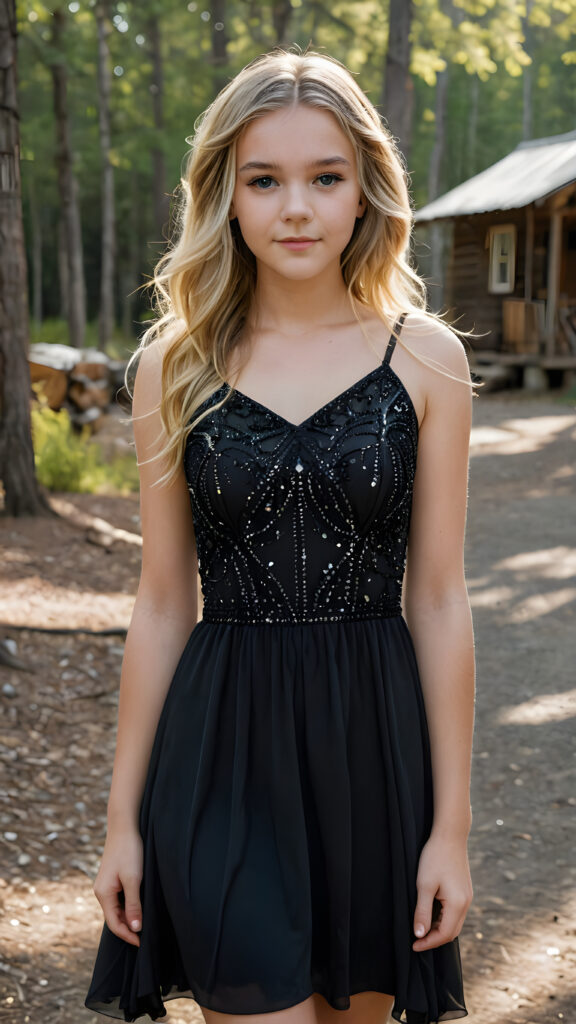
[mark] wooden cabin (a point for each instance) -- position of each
(510, 266)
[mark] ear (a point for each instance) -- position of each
(362, 204)
(231, 213)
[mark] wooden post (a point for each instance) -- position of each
(529, 254)
(554, 255)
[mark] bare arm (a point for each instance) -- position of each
(164, 615)
(439, 618)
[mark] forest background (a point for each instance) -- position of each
(109, 93)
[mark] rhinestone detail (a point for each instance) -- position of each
(304, 523)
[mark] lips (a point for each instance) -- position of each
(297, 243)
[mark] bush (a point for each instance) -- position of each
(68, 461)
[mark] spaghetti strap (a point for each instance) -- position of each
(392, 342)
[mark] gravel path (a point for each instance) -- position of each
(518, 943)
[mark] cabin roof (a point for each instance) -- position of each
(532, 171)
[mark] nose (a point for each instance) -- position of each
(296, 204)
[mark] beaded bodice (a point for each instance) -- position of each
(304, 522)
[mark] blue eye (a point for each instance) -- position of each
(332, 178)
(263, 184)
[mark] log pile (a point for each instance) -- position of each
(84, 381)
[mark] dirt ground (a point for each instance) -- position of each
(57, 733)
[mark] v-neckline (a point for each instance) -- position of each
(342, 394)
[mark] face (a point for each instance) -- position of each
(297, 194)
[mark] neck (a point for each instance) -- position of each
(290, 306)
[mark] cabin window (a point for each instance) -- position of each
(502, 242)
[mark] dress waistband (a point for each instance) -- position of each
(233, 617)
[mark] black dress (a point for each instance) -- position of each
(289, 791)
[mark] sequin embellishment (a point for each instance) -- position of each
(304, 522)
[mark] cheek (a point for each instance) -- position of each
(345, 219)
(253, 227)
(257, 219)
(344, 208)
(250, 211)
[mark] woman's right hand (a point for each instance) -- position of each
(117, 884)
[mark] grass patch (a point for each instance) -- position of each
(70, 461)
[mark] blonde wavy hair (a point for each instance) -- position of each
(205, 284)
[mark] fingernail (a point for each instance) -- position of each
(135, 925)
(419, 930)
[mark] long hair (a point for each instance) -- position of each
(205, 284)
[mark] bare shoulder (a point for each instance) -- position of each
(431, 362)
(433, 342)
(148, 382)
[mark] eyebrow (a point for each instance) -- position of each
(329, 161)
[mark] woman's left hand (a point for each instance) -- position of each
(444, 875)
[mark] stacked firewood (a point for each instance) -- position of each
(84, 381)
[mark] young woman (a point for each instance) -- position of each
(289, 807)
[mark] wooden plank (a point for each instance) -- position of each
(554, 255)
(529, 253)
(54, 383)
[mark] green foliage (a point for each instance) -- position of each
(485, 46)
(54, 331)
(68, 461)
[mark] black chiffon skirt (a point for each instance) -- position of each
(287, 800)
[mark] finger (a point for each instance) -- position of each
(114, 916)
(423, 912)
(445, 929)
(132, 905)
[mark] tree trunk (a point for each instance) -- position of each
(436, 287)
(130, 275)
(22, 495)
(219, 45)
(68, 189)
(64, 290)
(108, 257)
(437, 156)
(160, 199)
(473, 126)
(36, 247)
(527, 76)
(398, 99)
(438, 231)
(281, 14)
(456, 16)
